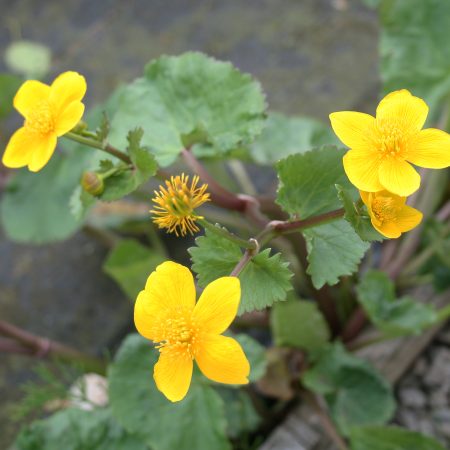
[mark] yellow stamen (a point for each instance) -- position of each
(176, 204)
(40, 120)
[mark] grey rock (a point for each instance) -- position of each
(412, 397)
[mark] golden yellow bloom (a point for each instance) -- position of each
(166, 313)
(176, 204)
(381, 148)
(49, 112)
(389, 214)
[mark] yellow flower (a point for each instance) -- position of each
(166, 313)
(176, 204)
(389, 214)
(49, 112)
(381, 148)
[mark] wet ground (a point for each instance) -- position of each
(311, 56)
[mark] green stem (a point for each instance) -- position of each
(251, 244)
(444, 313)
(98, 145)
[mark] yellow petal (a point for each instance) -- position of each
(402, 108)
(408, 218)
(431, 149)
(399, 177)
(30, 94)
(43, 149)
(172, 375)
(365, 197)
(67, 88)
(353, 128)
(19, 149)
(69, 117)
(388, 229)
(222, 359)
(170, 287)
(361, 167)
(145, 317)
(218, 305)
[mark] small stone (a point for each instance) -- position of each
(412, 397)
(440, 367)
(421, 367)
(439, 398)
(408, 418)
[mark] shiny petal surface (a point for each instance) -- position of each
(169, 288)
(19, 149)
(431, 149)
(361, 167)
(67, 88)
(44, 147)
(353, 128)
(409, 112)
(145, 316)
(30, 94)
(222, 359)
(218, 305)
(69, 117)
(173, 375)
(399, 177)
(389, 229)
(408, 218)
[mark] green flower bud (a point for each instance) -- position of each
(92, 183)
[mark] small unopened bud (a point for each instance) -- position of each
(92, 183)
(79, 127)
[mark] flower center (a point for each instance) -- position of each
(40, 120)
(392, 140)
(384, 209)
(178, 334)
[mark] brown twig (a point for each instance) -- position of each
(38, 346)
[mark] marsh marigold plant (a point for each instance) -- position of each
(176, 203)
(49, 112)
(183, 330)
(382, 148)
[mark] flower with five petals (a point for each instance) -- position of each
(183, 330)
(382, 148)
(49, 112)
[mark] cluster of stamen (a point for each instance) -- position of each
(178, 335)
(176, 204)
(40, 120)
(391, 140)
(384, 209)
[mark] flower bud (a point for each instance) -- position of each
(92, 183)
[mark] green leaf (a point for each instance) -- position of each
(299, 324)
(9, 84)
(356, 218)
(130, 263)
(127, 180)
(284, 136)
(394, 317)
(240, 412)
(307, 181)
(76, 429)
(264, 280)
(179, 100)
(414, 49)
(35, 207)
(356, 394)
(28, 58)
(256, 355)
(197, 422)
(334, 250)
(391, 438)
